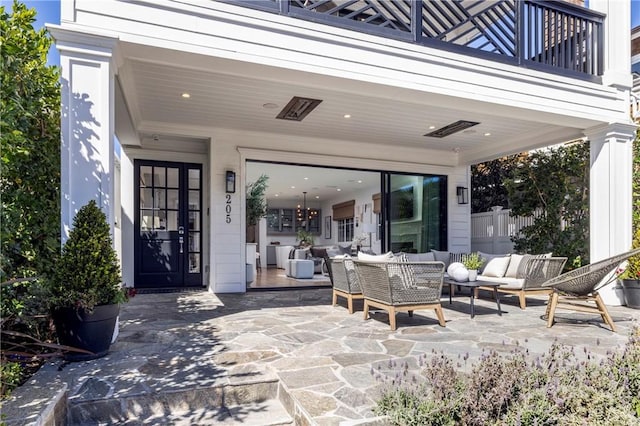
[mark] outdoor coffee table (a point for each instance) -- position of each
(473, 286)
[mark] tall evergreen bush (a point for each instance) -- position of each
(29, 149)
(88, 273)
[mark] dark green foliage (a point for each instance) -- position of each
(10, 376)
(24, 333)
(487, 182)
(30, 148)
(88, 272)
(256, 202)
(557, 182)
(562, 387)
(636, 181)
(632, 270)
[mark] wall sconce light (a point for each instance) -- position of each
(230, 182)
(463, 195)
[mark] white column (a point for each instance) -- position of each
(610, 196)
(87, 123)
(617, 41)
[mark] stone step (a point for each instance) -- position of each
(251, 403)
(265, 413)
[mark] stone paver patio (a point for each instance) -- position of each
(279, 357)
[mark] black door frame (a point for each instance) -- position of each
(385, 184)
(182, 277)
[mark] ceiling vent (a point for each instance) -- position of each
(452, 128)
(298, 108)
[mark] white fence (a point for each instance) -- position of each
(491, 232)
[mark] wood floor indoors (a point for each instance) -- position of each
(276, 278)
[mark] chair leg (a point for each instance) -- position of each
(392, 318)
(366, 309)
(350, 303)
(335, 298)
(551, 309)
(546, 312)
(410, 313)
(523, 300)
(604, 312)
(440, 315)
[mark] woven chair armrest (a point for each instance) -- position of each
(541, 269)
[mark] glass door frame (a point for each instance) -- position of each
(385, 184)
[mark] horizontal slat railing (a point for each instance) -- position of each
(552, 36)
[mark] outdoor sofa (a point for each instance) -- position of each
(520, 275)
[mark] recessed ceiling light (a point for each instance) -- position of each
(347, 116)
(359, 181)
(432, 127)
(338, 189)
(293, 187)
(186, 95)
(270, 105)
(487, 134)
(277, 195)
(306, 178)
(317, 196)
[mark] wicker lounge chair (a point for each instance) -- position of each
(401, 286)
(344, 279)
(578, 289)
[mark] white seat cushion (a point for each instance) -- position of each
(507, 283)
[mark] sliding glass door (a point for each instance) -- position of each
(415, 212)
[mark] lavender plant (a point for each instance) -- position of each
(562, 387)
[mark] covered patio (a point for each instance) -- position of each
(282, 357)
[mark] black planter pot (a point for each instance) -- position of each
(631, 290)
(89, 331)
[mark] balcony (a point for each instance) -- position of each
(549, 36)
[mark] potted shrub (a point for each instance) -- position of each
(472, 262)
(630, 278)
(85, 289)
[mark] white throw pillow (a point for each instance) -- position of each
(486, 258)
(375, 258)
(496, 267)
(514, 264)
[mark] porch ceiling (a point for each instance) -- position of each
(231, 95)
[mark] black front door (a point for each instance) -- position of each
(168, 224)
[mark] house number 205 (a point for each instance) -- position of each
(227, 208)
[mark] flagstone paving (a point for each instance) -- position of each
(282, 357)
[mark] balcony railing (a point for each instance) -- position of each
(549, 35)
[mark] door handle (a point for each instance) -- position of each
(181, 241)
